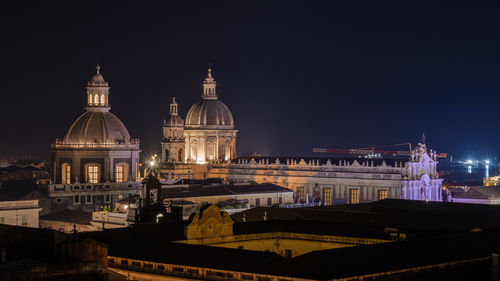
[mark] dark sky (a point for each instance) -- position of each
(295, 74)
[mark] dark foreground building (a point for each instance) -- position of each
(385, 240)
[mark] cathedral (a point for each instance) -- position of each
(96, 163)
(204, 146)
(207, 136)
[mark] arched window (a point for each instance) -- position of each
(92, 173)
(66, 173)
(180, 155)
(121, 173)
(90, 99)
(102, 100)
(96, 99)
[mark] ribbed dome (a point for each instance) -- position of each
(210, 113)
(97, 127)
(174, 121)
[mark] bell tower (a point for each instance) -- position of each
(173, 144)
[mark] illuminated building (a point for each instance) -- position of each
(19, 212)
(208, 135)
(95, 164)
(205, 147)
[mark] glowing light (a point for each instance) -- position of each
(487, 161)
(158, 217)
(152, 163)
(469, 161)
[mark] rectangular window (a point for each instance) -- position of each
(257, 202)
(93, 173)
(382, 194)
(269, 201)
(354, 196)
(327, 196)
(2, 220)
(280, 200)
(66, 173)
(24, 220)
(89, 199)
(76, 199)
(107, 198)
(301, 194)
(288, 253)
(121, 173)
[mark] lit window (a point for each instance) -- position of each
(121, 173)
(102, 100)
(90, 99)
(96, 99)
(24, 220)
(301, 194)
(354, 196)
(327, 196)
(382, 194)
(93, 173)
(66, 173)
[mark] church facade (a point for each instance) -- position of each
(96, 163)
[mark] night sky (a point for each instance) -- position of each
(295, 74)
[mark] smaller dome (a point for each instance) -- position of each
(97, 127)
(174, 121)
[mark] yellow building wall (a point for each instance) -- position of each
(279, 246)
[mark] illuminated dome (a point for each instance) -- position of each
(209, 112)
(97, 127)
(174, 120)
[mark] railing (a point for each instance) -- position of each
(189, 271)
(23, 204)
(132, 143)
(94, 186)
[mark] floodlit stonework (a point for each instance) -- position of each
(208, 135)
(96, 163)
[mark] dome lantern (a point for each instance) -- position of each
(97, 93)
(209, 87)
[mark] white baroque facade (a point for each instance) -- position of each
(421, 181)
(332, 181)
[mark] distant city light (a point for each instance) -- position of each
(469, 161)
(487, 161)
